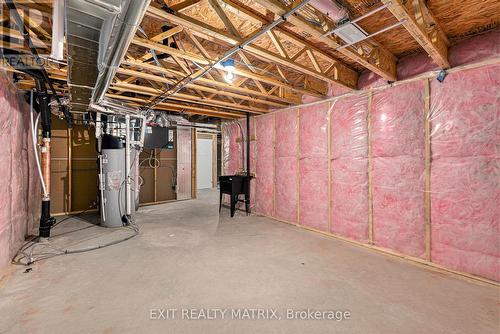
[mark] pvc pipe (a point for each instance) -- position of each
(57, 30)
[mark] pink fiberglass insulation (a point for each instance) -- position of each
(286, 143)
(349, 128)
(477, 48)
(349, 168)
(20, 196)
(398, 169)
(465, 214)
(264, 188)
(253, 147)
(465, 114)
(465, 172)
(313, 167)
(231, 155)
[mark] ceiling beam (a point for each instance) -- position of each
(207, 81)
(186, 97)
(202, 60)
(182, 6)
(346, 77)
(180, 108)
(428, 34)
(157, 78)
(382, 62)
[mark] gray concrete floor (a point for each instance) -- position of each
(187, 257)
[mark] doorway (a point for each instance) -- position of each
(204, 163)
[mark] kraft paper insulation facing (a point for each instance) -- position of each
(464, 170)
(20, 196)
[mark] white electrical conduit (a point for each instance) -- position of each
(34, 136)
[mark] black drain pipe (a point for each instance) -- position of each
(42, 79)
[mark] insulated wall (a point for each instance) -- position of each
(349, 166)
(264, 164)
(397, 139)
(411, 168)
(286, 165)
(465, 173)
(20, 188)
(313, 167)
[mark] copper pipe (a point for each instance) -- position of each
(45, 165)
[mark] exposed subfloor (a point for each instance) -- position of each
(187, 257)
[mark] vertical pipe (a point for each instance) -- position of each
(248, 147)
(57, 50)
(127, 165)
(46, 221)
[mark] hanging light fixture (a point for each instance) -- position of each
(229, 67)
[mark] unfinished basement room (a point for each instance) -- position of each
(250, 166)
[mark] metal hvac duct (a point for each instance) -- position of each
(98, 34)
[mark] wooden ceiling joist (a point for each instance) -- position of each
(161, 79)
(202, 60)
(346, 77)
(132, 88)
(381, 62)
(180, 108)
(206, 81)
(422, 26)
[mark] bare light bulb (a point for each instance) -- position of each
(229, 76)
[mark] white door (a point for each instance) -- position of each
(203, 163)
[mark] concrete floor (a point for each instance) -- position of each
(187, 257)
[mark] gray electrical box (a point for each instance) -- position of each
(159, 137)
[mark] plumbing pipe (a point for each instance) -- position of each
(34, 137)
(57, 49)
(188, 79)
(127, 165)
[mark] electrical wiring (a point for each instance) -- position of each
(156, 164)
(29, 258)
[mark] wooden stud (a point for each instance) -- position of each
(428, 157)
(370, 170)
(329, 161)
(298, 167)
